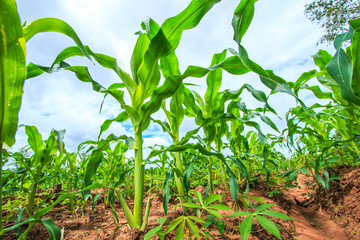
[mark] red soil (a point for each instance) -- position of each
(333, 214)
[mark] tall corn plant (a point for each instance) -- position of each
(12, 76)
(143, 87)
(13, 72)
(340, 74)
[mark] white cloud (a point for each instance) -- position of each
(279, 38)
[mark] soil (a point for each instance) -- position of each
(317, 214)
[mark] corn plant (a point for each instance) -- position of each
(152, 45)
(175, 117)
(13, 71)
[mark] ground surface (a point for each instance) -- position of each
(333, 214)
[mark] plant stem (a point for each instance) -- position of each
(223, 177)
(31, 199)
(223, 173)
(71, 197)
(139, 178)
(210, 179)
(179, 180)
(1, 164)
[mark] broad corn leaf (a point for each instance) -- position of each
(35, 141)
(213, 83)
(242, 18)
(102, 59)
(167, 40)
(267, 77)
(12, 70)
(53, 25)
(140, 48)
(166, 190)
(340, 69)
(151, 28)
(123, 116)
(260, 96)
(54, 231)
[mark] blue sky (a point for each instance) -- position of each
(280, 38)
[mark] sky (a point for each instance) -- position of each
(280, 38)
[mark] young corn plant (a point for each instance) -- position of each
(174, 117)
(43, 155)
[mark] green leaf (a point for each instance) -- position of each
(151, 28)
(179, 235)
(276, 214)
(212, 198)
(234, 188)
(268, 225)
(238, 214)
(340, 69)
(193, 228)
(234, 66)
(320, 94)
(220, 207)
(214, 212)
(161, 220)
(166, 41)
(152, 232)
(186, 176)
(199, 198)
(259, 95)
(267, 77)
(35, 142)
(166, 190)
(268, 121)
(196, 219)
(54, 231)
(242, 18)
(94, 160)
(53, 25)
(173, 224)
(102, 59)
(263, 206)
(245, 227)
(165, 127)
(220, 225)
(191, 205)
(123, 116)
(213, 83)
(94, 201)
(140, 48)
(12, 70)
(113, 212)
